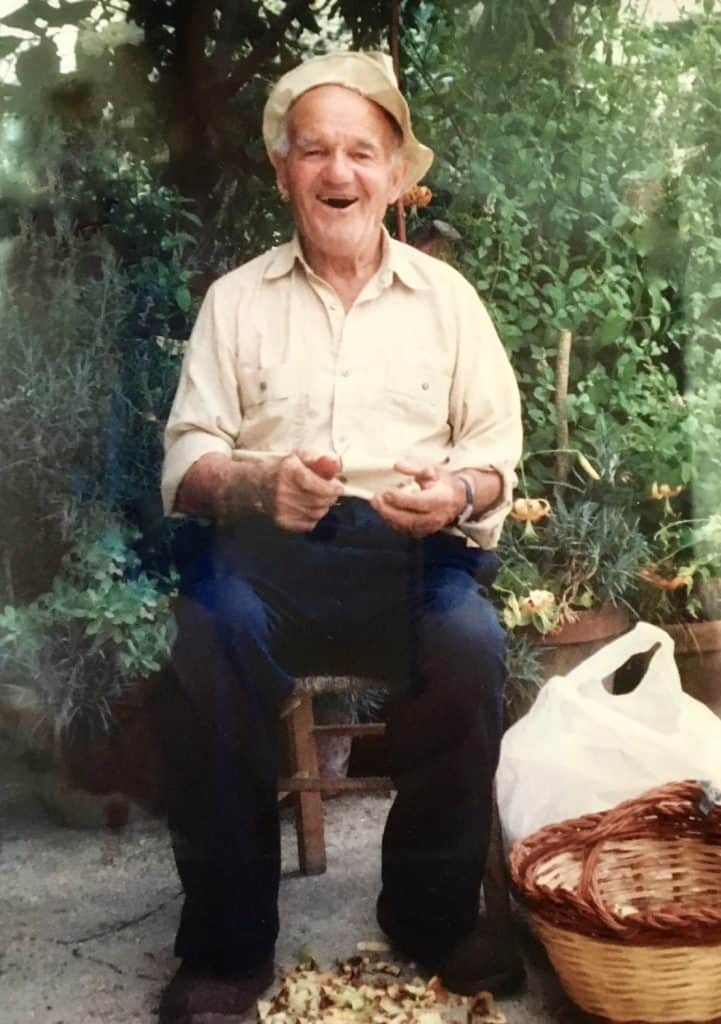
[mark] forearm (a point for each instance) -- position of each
(216, 487)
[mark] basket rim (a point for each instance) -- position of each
(673, 811)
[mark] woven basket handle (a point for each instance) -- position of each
(674, 808)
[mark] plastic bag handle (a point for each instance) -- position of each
(638, 640)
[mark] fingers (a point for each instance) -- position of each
(418, 513)
(301, 497)
(424, 473)
(306, 475)
(323, 464)
(410, 498)
(413, 523)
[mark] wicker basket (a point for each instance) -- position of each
(628, 905)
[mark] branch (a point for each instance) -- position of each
(276, 29)
(563, 363)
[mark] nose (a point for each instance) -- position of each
(337, 168)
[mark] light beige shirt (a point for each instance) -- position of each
(414, 367)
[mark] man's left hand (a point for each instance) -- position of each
(440, 499)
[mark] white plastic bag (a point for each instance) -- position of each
(582, 749)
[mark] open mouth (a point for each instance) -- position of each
(337, 202)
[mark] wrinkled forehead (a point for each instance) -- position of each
(324, 107)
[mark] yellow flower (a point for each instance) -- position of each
(587, 467)
(530, 510)
(537, 601)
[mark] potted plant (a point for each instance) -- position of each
(569, 570)
(77, 671)
(681, 591)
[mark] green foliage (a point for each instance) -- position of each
(104, 261)
(525, 675)
(581, 168)
(63, 304)
(103, 624)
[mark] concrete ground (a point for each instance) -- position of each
(88, 916)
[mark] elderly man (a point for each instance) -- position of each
(322, 377)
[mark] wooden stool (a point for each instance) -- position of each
(308, 786)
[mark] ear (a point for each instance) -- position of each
(281, 173)
(397, 176)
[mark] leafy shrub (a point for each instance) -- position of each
(79, 647)
(682, 580)
(63, 302)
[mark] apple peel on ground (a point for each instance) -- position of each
(366, 990)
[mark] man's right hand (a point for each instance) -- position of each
(297, 491)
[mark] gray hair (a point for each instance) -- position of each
(281, 146)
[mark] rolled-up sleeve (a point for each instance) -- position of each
(206, 414)
(485, 411)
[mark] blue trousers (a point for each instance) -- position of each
(262, 605)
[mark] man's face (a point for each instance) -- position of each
(342, 170)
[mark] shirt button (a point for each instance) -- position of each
(425, 385)
(333, 306)
(345, 373)
(263, 386)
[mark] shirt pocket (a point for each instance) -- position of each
(270, 384)
(415, 397)
(269, 399)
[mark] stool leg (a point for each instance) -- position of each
(308, 805)
(495, 879)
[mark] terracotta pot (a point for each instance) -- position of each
(129, 759)
(698, 656)
(125, 766)
(573, 643)
(563, 650)
(77, 808)
(26, 727)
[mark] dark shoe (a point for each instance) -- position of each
(192, 991)
(483, 960)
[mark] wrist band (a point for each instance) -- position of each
(467, 511)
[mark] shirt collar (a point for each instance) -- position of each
(282, 259)
(396, 260)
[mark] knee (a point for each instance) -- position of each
(466, 626)
(465, 646)
(230, 604)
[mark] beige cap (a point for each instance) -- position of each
(371, 74)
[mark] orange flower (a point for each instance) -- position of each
(664, 582)
(418, 195)
(530, 510)
(663, 492)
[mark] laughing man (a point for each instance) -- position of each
(321, 379)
